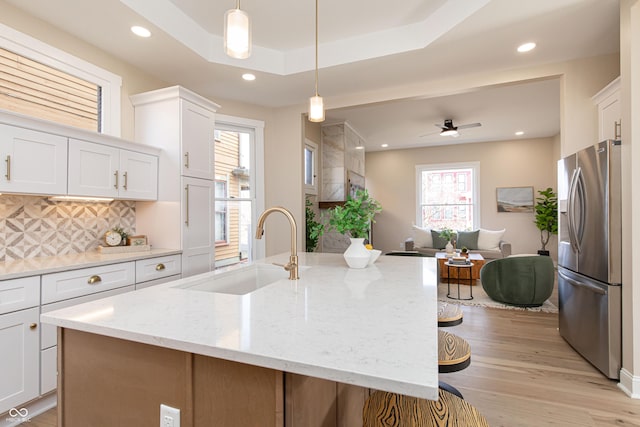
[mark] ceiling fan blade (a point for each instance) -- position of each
(428, 134)
(440, 126)
(470, 125)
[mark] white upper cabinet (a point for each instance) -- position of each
(32, 162)
(609, 114)
(97, 170)
(196, 136)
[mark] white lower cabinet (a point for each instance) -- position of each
(20, 350)
(28, 349)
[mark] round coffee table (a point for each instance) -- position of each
(458, 266)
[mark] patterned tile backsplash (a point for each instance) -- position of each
(33, 226)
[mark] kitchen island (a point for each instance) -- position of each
(295, 353)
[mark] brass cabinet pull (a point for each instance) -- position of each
(160, 267)
(186, 160)
(8, 161)
(125, 180)
(617, 129)
(33, 326)
(116, 184)
(186, 202)
(94, 279)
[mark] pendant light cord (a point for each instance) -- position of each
(316, 47)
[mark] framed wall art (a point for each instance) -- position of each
(515, 199)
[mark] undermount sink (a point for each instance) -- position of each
(241, 281)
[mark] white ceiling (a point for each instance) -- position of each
(365, 46)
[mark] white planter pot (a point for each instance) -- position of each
(356, 255)
(449, 248)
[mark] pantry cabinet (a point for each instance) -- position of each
(97, 170)
(181, 124)
(609, 113)
(32, 162)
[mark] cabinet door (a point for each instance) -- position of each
(197, 226)
(138, 176)
(196, 136)
(93, 169)
(20, 365)
(609, 111)
(32, 162)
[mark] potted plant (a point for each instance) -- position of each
(447, 234)
(546, 217)
(314, 229)
(464, 252)
(354, 220)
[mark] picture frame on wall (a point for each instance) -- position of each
(515, 199)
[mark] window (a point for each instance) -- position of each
(76, 92)
(310, 167)
(447, 196)
(221, 219)
(239, 189)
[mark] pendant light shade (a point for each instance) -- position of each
(316, 109)
(237, 33)
(316, 105)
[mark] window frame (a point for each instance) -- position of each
(111, 84)
(225, 212)
(313, 147)
(475, 182)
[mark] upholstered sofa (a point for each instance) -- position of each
(487, 243)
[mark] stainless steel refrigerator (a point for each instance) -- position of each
(589, 255)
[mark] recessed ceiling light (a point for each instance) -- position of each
(384, 145)
(519, 133)
(360, 147)
(249, 77)
(526, 47)
(140, 31)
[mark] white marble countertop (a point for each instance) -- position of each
(54, 264)
(373, 327)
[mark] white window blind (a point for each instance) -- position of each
(31, 88)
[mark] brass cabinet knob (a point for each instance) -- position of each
(33, 326)
(94, 279)
(160, 267)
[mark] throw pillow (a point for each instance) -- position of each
(467, 239)
(438, 242)
(489, 239)
(422, 237)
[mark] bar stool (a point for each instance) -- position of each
(384, 409)
(454, 352)
(449, 314)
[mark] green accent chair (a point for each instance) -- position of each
(524, 281)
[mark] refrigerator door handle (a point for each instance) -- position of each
(571, 211)
(581, 193)
(587, 286)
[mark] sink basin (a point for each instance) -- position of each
(241, 281)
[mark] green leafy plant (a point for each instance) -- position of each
(447, 234)
(314, 229)
(356, 216)
(546, 215)
(464, 250)
(122, 233)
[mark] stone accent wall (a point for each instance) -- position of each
(339, 157)
(33, 226)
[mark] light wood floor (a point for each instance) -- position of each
(523, 374)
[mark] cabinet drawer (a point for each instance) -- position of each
(156, 268)
(151, 283)
(48, 370)
(16, 294)
(48, 335)
(86, 281)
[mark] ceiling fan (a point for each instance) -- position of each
(448, 129)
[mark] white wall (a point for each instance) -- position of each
(391, 179)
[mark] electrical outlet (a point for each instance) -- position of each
(169, 417)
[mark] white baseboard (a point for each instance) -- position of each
(34, 409)
(630, 384)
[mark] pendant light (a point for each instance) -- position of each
(316, 105)
(237, 33)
